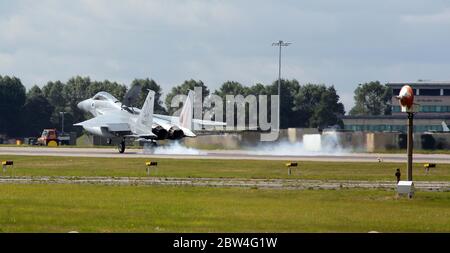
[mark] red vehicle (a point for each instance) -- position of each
(51, 137)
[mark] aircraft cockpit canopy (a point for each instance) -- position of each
(105, 96)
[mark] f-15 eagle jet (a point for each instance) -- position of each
(114, 119)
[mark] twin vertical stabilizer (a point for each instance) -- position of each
(187, 111)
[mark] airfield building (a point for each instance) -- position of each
(433, 99)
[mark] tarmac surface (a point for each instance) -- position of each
(222, 154)
(282, 184)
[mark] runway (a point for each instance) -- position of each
(221, 154)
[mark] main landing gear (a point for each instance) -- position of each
(121, 146)
(149, 147)
(153, 144)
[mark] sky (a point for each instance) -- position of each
(341, 43)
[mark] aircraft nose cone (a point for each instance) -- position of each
(83, 105)
(80, 105)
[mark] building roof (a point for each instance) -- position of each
(420, 83)
(400, 116)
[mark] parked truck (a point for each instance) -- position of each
(53, 138)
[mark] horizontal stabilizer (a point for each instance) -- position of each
(143, 136)
(187, 132)
(445, 127)
(209, 122)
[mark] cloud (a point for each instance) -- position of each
(336, 43)
(141, 13)
(439, 18)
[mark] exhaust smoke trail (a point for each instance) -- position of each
(174, 148)
(312, 144)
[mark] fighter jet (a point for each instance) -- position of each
(115, 119)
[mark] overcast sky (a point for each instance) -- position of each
(339, 43)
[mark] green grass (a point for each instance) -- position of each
(100, 208)
(81, 166)
(96, 208)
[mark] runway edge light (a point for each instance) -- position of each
(149, 164)
(289, 165)
(429, 165)
(7, 163)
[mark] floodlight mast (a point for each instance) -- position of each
(279, 44)
(62, 121)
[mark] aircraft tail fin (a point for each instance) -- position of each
(187, 112)
(445, 127)
(146, 116)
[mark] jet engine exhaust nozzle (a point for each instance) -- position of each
(160, 132)
(175, 133)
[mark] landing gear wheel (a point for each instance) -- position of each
(154, 144)
(121, 147)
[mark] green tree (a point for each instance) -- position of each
(372, 99)
(317, 106)
(75, 90)
(258, 89)
(149, 84)
(12, 98)
(36, 113)
(34, 91)
(183, 89)
(288, 89)
(232, 88)
(328, 111)
(54, 93)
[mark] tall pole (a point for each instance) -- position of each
(280, 44)
(279, 84)
(62, 121)
(410, 144)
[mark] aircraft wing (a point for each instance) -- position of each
(209, 122)
(175, 119)
(111, 122)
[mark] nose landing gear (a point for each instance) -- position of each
(121, 146)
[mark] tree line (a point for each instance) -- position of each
(26, 113)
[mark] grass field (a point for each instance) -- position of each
(80, 166)
(96, 208)
(101, 208)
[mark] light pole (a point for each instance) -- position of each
(279, 44)
(62, 121)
